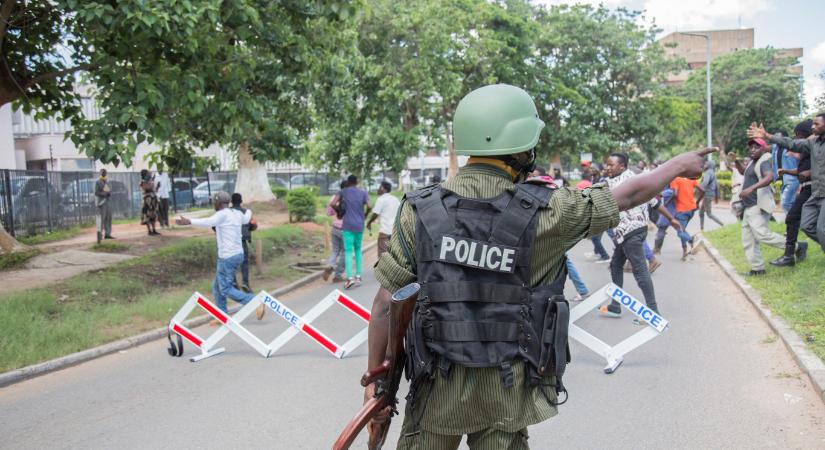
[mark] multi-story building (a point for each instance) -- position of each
(27, 143)
(691, 46)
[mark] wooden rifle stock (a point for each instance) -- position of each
(387, 375)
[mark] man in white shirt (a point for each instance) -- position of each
(227, 223)
(386, 207)
(163, 189)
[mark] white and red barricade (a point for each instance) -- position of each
(229, 324)
(298, 324)
(654, 325)
(303, 324)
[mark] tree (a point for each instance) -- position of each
(180, 74)
(819, 102)
(678, 125)
(748, 86)
(234, 73)
(597, 75)
(395, 93)
(35, 37)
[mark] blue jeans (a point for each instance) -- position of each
(648, 252)
(575, 278)
(598, 247)
(684, 218)
(789, 195)
(223, 285)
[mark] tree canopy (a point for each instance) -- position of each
(748, 86)
(351, 86)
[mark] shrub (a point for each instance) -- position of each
(301, 204)
(280, 192)
(15, 260)
(725, 189)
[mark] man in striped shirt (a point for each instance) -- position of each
(474, 400)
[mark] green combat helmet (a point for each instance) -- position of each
(498, 119)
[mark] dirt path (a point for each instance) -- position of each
(50, 268)
(66, 258)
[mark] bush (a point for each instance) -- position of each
(723, 175)
(280, 192)
(301, 204)
(16, 260)
(725, 189)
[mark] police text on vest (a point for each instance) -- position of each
(479, 254)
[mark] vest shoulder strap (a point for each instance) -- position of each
(526, 202)
(431, 210)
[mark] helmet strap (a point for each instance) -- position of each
(523, 169)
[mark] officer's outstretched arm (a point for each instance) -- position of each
(642, 188)
(378, 328)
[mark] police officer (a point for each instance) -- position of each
(488, 250)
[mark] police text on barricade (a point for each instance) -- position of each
(637, 307)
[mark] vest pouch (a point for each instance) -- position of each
(555, 353)
(419, 358)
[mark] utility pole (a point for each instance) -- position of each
(707, 82)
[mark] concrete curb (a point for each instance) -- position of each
(806, 359)
(18, 375)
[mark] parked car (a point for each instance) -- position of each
(78, 198)
(278, 182)
(203, 190)
(182, 194)
(35, 202)
(373, 183)
(310, 179)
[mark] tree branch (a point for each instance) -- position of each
(5, 13)
(52, 75)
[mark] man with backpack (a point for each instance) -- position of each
(246, 239)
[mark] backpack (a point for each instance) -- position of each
(339, 207)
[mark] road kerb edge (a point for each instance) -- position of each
(35, 370)
(805, 358)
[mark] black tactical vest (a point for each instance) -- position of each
(477, 307)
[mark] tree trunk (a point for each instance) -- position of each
(252, 183)
(452, 170)
(8, 243)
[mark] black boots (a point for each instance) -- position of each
(784, 261)
(801, 251)
(788, 259)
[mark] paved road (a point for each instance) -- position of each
(715, 379)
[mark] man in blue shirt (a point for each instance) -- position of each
(356, 204)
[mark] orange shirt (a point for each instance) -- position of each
(685, 199)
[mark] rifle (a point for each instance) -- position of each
(387, 375)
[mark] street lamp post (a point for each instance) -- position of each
(707, 82)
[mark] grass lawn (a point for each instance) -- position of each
(58, 235)
(795, 293)
(133, 296)
(16, 260)
(111, 247)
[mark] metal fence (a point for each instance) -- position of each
(34, 201)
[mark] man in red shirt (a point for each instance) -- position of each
(685, 208)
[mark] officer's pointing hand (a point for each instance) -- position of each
(692, 163)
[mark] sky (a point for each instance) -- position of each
(777, 23)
